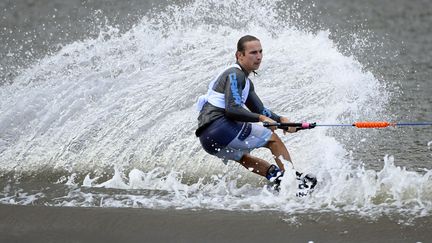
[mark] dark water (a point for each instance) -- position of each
(44, 224)
(400, 54)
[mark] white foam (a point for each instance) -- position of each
(369, 193)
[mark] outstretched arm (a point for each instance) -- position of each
(255, 104)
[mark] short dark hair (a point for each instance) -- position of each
(241, 42)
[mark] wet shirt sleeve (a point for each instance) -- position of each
(255, 104)
(234, 85)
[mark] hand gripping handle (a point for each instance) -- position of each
(285, 126)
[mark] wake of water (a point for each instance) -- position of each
(126, 101)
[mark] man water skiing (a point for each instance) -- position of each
(229, 111)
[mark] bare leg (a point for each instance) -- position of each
(277, 148)
(258, 166)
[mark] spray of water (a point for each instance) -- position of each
(125, 103)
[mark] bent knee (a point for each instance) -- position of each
(274, 138)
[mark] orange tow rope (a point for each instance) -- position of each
(363, 124)
(378, 124)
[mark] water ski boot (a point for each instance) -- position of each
(274, 175)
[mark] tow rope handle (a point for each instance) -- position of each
(285, 126)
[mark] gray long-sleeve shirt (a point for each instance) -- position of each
(231, 83)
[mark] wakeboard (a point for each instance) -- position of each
(306, 184)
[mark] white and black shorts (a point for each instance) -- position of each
(230, 140)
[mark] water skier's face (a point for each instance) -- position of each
(251, 58)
